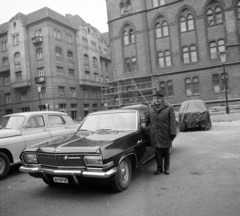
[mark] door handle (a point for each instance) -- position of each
(139, 141)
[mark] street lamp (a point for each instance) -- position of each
(39, 88)
(223, 56)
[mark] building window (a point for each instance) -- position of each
(219, 83)
(38, 32)
(39, 53)
(73, 92)
(7, 80)
(94, 106)
(57, 34)
(25, 109)
(85, 42)
(186, 21)
(167, 88)
(18, 76)
(15, 39)
(101, 78)
(69, 39)
(17, 58)
(164, 59)
(94, 46)
(58, 52)
(71, 73)
(107, 79)
(43, 92)
(5, 62)
(95, 63)
(94, 94)
(61, 91)
(157, 3)
(125, 7)
(85, 93)
(214, 14)
(86, 60)
(131, 64)
(161, 27)
(8, 98)
(192, 86)
(40, 72)
(4, 45)
(59, 71)
(217, 47)
(96, 77)
(189, 54)
(106, 67)
(128, 35)
(87, 75)
(238, 10)
(23, 96)
(70, 56)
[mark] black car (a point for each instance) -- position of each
(106, 148)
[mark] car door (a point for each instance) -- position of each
(57, 125)
(35, 130)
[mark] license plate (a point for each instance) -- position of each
(60, 180)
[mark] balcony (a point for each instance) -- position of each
(21, 83)
(37, 40)
(5, 68)
(86, 82)
(40, 79)
(105, 56)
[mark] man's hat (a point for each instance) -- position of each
(158, 93)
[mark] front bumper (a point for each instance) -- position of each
(69, 172)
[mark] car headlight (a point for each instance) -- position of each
(30, 158)
(93, 161)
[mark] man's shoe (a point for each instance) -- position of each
(167, 172)
(158, 172)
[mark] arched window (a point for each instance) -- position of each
(195, 85)
(192, 86)
(217, 47)
(17, 57)
(39, 53)
(125, 6)
(163, 87)
(84, 32)
(223, 80)
(170, 88)
(214, 13)
(193, 53)
(95, 63)
(186, 57)
(190, 22)
(216, 83)
(186, 21)
(221, 46)
(58, 52)
(128, 35)
(70, 55)
(164, 59)
(183, 25)
(161, 27)
(5, 62)
(213, 50)
(188, 86)
(238, 10)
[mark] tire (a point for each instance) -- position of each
(48, 180)
(123, 176)
(4, 165)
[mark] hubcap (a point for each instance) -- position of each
(124, 172)
(2, 165)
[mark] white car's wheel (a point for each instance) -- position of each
(4, 165)
(123, 176)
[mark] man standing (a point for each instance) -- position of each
(161, 117)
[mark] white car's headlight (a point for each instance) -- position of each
(30, 158)
(93, 160)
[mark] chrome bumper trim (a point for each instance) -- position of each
(84, 173)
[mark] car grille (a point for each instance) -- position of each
(60, 160)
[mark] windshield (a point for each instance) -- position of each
(112, 121)
(12, 122)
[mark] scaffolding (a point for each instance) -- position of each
(128, 91)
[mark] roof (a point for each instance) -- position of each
(26, 114)
(106, 37)
(112, 111)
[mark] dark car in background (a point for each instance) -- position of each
(194, 115)
(106, 148)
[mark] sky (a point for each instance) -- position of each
(92, 11)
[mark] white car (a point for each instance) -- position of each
(22, 130)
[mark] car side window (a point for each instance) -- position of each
(55, 120)
(35, 122)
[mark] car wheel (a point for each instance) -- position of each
(4, 165)
(123, 176)
(48, 180)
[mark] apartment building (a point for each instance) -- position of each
(175, 46)
(52, 61)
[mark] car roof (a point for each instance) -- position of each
(112, 111)
(26, 114)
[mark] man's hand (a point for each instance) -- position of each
(143, 126)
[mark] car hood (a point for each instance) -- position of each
(4, 133)
(77, 143)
